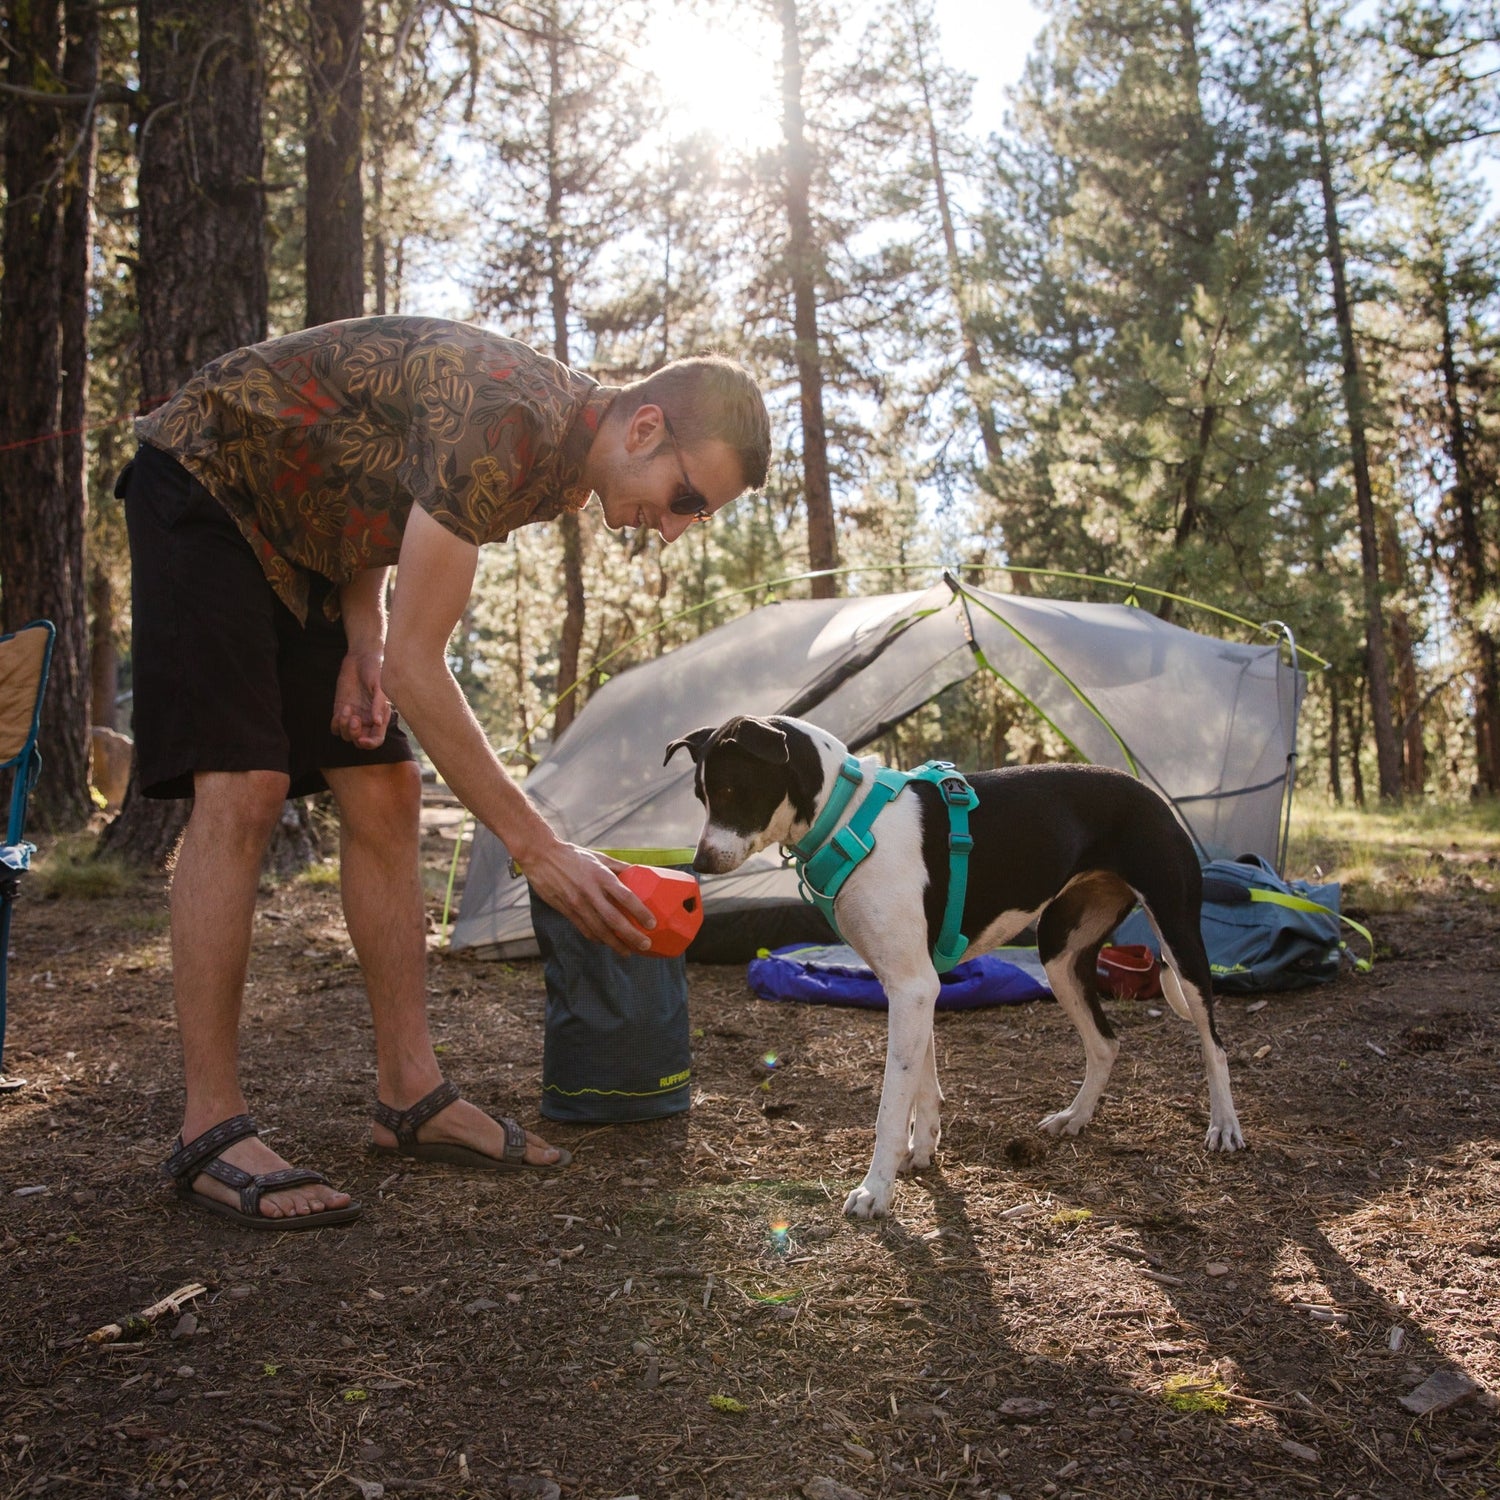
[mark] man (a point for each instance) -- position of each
(268, 499)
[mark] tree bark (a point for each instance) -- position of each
(202, 277)
(104, 656)
(1377, 668)
(43, 505)
(803, 256)
(335, 195)
(1473, 571)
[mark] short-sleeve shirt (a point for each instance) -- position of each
(319, 443)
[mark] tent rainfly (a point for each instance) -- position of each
(1211, 724)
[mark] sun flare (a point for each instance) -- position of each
(717, 76)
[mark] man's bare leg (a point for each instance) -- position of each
(213, 912)
(380, 813)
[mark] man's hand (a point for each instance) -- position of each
(579, 883)
(361, 710)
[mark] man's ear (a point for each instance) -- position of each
(693, 743)
(644, 429)
(758, 737)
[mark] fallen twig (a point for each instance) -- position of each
(140, 1321)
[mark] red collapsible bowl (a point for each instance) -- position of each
(1131, 972)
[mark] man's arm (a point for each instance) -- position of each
(433, 583)
(361, 710)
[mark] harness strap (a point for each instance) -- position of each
(825, 860)
(850, 778)
(1301, 903)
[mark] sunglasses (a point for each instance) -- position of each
(690, 502)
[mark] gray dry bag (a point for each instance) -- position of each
(617, 1044)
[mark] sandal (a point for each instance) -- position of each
(202, 1155)
(404, 1124)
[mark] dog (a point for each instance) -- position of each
(1070, 848)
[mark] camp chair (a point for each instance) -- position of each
(24, 658)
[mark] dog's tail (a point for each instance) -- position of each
(1171, 987)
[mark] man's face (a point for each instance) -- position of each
(651, 472)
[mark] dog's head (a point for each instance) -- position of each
(761, 782)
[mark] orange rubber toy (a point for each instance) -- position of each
(675, 902)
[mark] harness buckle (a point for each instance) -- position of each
(960, 843)
(850, 845)
(957, 792)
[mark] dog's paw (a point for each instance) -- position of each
(867, 1202)
(1064, 1122)
(1227, 1137)
(924, 1144)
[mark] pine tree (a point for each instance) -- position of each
(52, 74)
(559, 133)
(201, 277)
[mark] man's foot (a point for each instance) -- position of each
(228, 1170)
(445, 1127)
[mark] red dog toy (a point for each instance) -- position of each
(675, 902)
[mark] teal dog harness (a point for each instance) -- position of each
(825, 862)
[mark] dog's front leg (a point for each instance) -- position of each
(907, 1061)
(927, 1117)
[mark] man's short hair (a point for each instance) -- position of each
(709, 396)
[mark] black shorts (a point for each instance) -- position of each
(225, 677)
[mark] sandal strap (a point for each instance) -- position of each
(404, 1123)
(515, 1141)
(186, 1161)
(252, 1186)
(273, 1182)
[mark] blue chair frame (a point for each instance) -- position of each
(15, 853)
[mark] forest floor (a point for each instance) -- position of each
(684, 1311)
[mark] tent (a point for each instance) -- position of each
(1209, 723)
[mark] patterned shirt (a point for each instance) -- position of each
(319, 443)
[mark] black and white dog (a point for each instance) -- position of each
(1071, 848)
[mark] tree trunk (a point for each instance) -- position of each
(802, 261)
(1377, 668)
(1403, 653)
(335, 197)
(48, 169)
(1473, 572)
(81, 68)
(104, 656)
(1354, 713)
(202, 275)
(570, 648)
(1335, 773)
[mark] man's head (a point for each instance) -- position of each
(680, 444)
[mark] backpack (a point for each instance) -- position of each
(1262, 932)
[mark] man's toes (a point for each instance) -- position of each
(539, 1152)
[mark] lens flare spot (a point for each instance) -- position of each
(769, 1059)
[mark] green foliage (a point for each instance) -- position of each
(1101, 341)
(69, 868)
(1192, 1393)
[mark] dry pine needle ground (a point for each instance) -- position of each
(683, 1312)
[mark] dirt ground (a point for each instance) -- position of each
(684, 1312)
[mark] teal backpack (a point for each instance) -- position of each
(1265, 933)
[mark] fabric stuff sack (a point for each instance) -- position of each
(617, 1043)
(1263, 932)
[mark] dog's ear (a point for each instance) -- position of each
(693, 742)
(760, 738)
